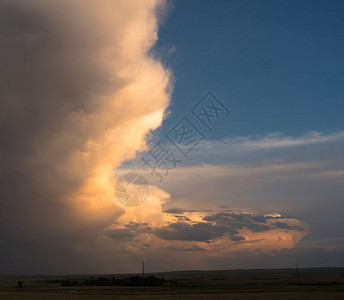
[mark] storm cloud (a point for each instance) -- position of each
(79, 93)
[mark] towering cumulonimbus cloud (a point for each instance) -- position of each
(79, 91)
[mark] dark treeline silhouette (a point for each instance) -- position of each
(150, 280)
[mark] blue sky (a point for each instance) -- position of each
(278, 65)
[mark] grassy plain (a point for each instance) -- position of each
(316, 283)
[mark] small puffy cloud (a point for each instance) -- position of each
(210, 228)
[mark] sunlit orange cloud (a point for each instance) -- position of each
(153, 212)
(152, 215)
(265, 241)
(150, 211)
(122, 120)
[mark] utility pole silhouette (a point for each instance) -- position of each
(297, 273)
(143, 273)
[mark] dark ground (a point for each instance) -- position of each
(316, 283)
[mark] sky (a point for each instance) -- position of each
(188, 134)
(276, 64)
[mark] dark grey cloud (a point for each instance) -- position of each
(180, 230)
(214, 226)
(46, 78)
(200, 232)
(283, 225)
(239, 221)
(183, 248)
(129, 233)
(255, 223)
(177, 211)
(182, 218)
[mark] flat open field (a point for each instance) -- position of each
(318, 283)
